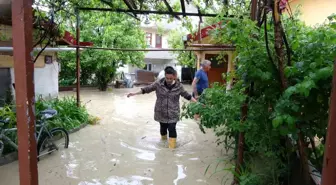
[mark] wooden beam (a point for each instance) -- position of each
(129, 6)
(183, 7)
(211, 45)
(170, 9)
(106, 2)
(151, 12)
(110, 4)
(162, 49)
(78, 58)
(199, 12)
(132, 3)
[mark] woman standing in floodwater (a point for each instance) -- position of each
(167, 107)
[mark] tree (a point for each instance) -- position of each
(185, 58)
(110, 30)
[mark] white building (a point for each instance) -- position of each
(156, 35)
(46, 67)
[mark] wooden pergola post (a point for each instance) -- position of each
(77, 58)
(329, 163)
(22, 23)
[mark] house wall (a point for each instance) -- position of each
(157, 65)
(314, 11)
(201, 56)
(45, 78)
(45, 75)
(154, 31)
(6, 61)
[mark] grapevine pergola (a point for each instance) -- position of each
(22, 21)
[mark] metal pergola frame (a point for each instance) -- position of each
(133, 11)
(22, 23)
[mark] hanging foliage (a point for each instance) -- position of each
(274, 112)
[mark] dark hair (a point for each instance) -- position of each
(170, 70)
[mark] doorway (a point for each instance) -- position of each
(218, 67)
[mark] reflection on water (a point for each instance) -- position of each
(71, 166)
(180, 174)
(143, 154)
(133, 180)
(125, 148)
(124, 105)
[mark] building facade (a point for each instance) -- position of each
(45, 73)
(313, 11)
(156, 38)
(222, 62)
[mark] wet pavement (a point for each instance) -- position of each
(125, 149)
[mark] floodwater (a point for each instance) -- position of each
(125, 149)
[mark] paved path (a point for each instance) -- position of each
(125, 149)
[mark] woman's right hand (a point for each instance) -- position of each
(131, 94)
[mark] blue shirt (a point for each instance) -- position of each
(203, 81)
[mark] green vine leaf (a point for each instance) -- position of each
(277, 121)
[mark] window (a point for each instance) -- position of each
(148, 67)
(149, 39)
(158, 43)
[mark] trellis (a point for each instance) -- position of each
(22, 42)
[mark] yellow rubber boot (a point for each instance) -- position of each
(172, 143)
(164, 137)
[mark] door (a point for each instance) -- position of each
(218, 67)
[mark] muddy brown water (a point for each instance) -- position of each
(125, 149)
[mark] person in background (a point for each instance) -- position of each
(167, 107)
(201, 81)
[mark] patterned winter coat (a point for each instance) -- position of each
(167, 106)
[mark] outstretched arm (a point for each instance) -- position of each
(186, 95)
(134, 94)
(144, 90)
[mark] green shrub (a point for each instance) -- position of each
(69, 115)
(274, 113)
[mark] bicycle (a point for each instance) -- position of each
(48, 141)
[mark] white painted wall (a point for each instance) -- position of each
(45, 80)
(157, 65)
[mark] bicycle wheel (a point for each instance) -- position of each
(58, 140)
(2, 146)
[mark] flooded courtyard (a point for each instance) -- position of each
(125, 149)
